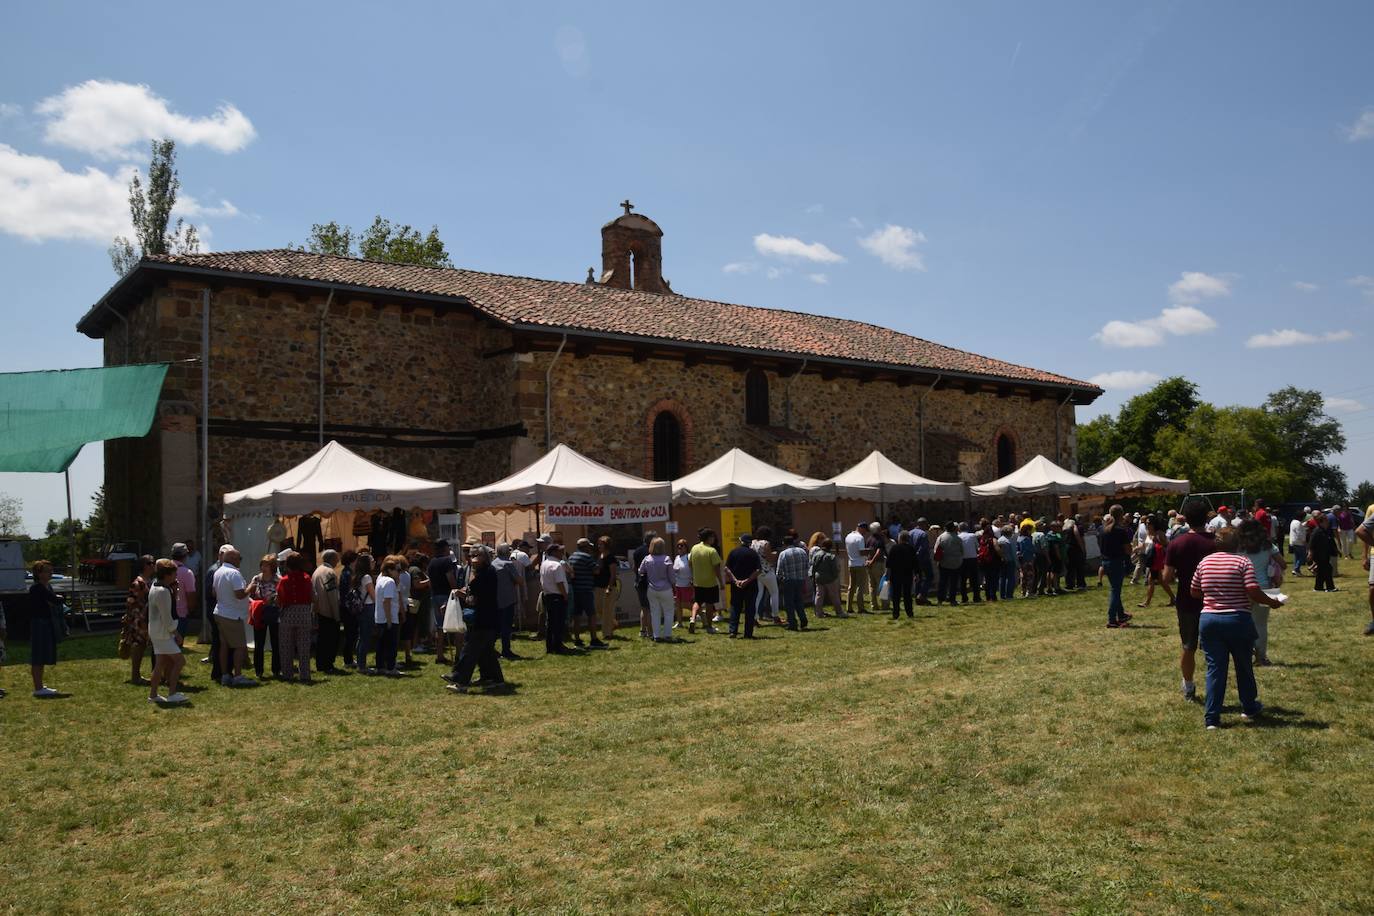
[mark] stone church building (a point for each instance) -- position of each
(465, 376)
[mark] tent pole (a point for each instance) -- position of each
(538, 529)
(204, 457)
(76, 562)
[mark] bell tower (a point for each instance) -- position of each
(632, 253)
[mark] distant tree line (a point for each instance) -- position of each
(1281, 451)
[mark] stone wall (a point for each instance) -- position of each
(605, 405)
(385, 365)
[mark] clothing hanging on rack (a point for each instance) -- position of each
(309, 538)
(396, 531)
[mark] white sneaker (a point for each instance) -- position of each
(44, 693)
(177, 698)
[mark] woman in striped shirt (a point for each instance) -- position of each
(1226, 583)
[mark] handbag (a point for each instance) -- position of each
(884, 590)
(60, 630)
(453, 616)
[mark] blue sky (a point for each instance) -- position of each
(1090, 188)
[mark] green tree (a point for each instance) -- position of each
(151, 210)
(382, 241)
(1229, 448)
(11, 516)
(1308, 437)
(1363, 495)
(1097, 444)
(1168, 405)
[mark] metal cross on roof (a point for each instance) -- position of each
(627, 205)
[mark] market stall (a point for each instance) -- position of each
(881, 480)
(1129, 480)
(1042, 477)
(334, 493)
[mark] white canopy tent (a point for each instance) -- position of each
(1042, 477)
(564, 476)
(1133, 481)
(879, 479)
(738, 477)
(335, 478)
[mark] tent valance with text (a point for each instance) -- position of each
(46, 417)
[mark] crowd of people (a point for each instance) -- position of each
(372, 614)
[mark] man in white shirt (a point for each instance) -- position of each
(1297, 540)
(553, 582)
(858, 573)
(231, 612)
(1220, 520)
(386, 618)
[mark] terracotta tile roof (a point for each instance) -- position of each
(581, 307)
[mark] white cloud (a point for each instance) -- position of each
(1363, 128)
(1343, 405)
(1304, 287)
(815, 208)
(1183, 320)
(821, 279)
(895, 246)
(776, 273)
(856, 222)
(190, 208)
(113, 120)
(40, 200)
(739, 267)
(785, 246)
(1124, 379)
(1364, 284)
(571, 45)
(1130, 334)
(1179, 320)
(9, 110)
(1194, 286)
(1290, 337)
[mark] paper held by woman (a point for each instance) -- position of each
(1276, 595)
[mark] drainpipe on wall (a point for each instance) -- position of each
(324, 312)
(204, 452)
(548, 395)
(787, 395)
(1059, 432)
(921, 432)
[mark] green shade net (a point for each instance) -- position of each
(46, 417)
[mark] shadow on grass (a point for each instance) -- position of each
(1283, 717)
(1296, 665)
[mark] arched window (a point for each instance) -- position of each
(756, 398)
(667, 446)
(1006, 455)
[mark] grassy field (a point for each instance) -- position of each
(980, 759)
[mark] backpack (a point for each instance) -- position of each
(987, 553)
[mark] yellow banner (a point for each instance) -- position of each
(733, 523)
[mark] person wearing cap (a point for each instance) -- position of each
(324, 584)
(553, 584)
(231, 614)
(1297, 539)
(742, 567)
(1221, 520)
(185, 596)
(1345, 531)
(510, 590)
